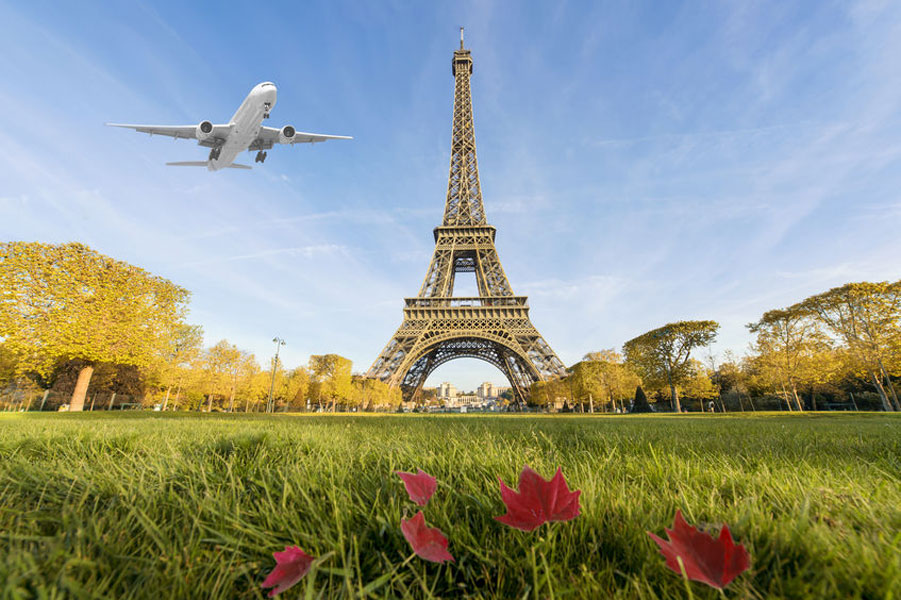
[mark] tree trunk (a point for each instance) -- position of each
(886, 404)
(166, 399)
(112, 399)
(590, 404)
(797, 400)
(888, 384)
(76, 404)
(785, 397)
(44, 399)
(854, 402)
(891, 389)
(209, 403)
(674, 394)
(231, 401)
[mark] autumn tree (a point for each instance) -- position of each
(293, 387)
(538, 394)
(548, 393)
(792, 349)
(255, 387)
(63, 302)
(220, 365)
(605, 376)
(698, 384)
(330, 375)
(368, 394)
(584, 382)
(867, 318)
(242, 373)
(731, 379)
(663, 353)
(182, 351)
(7, 365)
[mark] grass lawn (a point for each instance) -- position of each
(150, 505)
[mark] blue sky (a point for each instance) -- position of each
(643, 162)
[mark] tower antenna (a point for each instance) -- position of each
(461, 38)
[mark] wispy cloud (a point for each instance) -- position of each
(728, 135)
(294, 252)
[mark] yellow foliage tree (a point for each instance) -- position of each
(867, 318)
(63, 302)
(661, 355)
(791, 349)
(330, 374)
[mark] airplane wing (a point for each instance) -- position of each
(270, 136)
(188, 132)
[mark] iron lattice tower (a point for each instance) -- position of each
(439, 327)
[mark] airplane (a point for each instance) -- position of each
(245, 131)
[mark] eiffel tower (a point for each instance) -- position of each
(439, 327)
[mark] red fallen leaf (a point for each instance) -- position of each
(715, 562)
(291, 565)
(427, 542)
(538, 501)
(420, 486)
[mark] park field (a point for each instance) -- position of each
(150, 505)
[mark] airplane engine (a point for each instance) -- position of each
(204, 130)
(286, 134)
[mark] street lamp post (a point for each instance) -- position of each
(279, 342)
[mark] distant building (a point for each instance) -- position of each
(468, 402)
(447, 390)
(486, 390)
(489, 391)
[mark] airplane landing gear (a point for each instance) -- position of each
(261, 157)
(266, 107)
(214, 153)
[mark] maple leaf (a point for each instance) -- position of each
(715, 562)
(420, 485)
(428, 542)
(291, 565)
(538, 501)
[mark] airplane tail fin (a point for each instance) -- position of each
(204, 163)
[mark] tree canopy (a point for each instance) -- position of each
(66, 301)
(866, 316)
(331, 377)
(792, 350)
(663, 354)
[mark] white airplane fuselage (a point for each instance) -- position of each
(245, 131)
(245, 124)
